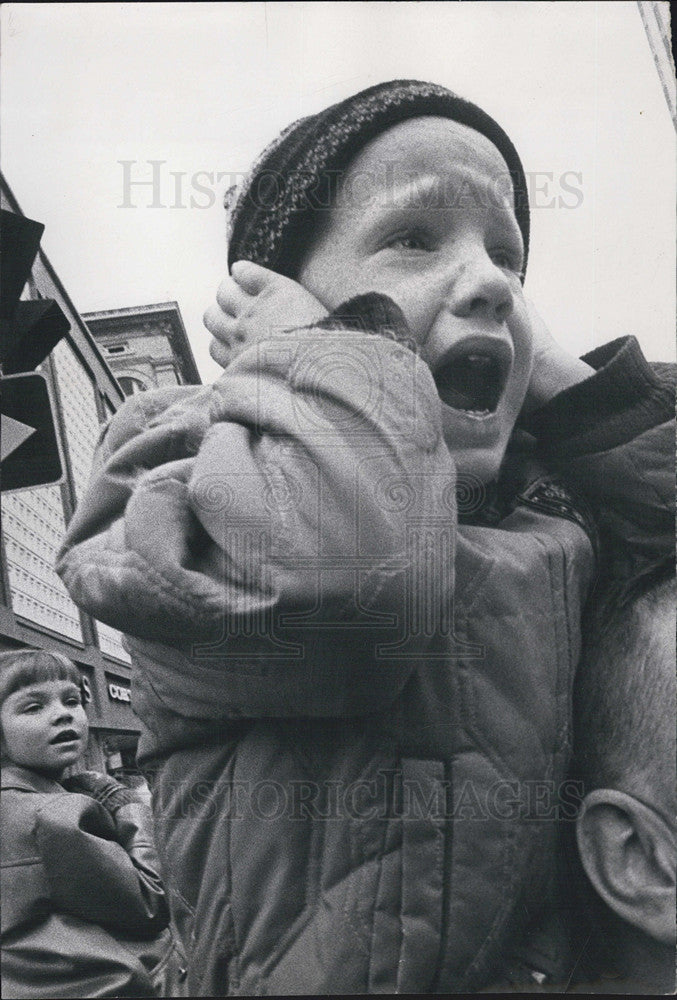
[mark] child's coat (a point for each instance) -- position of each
(83, 908)
(356, 710)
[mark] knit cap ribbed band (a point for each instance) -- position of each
(274, 214)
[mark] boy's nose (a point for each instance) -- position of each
(482, 289)
(62, 714)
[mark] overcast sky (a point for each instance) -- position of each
(202, 87)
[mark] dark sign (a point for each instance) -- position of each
(29, 330)
(29, 447)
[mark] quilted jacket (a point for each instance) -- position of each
(354, 667)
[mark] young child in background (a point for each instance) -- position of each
(352, 592)
(83, 908)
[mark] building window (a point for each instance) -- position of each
(130, 386)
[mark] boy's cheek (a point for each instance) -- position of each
(424, 302)
(423, 316)
(522, 332)
(85, 732)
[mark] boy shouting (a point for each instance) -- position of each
(354, 611)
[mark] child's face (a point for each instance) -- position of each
(44, 726)
(424, 214)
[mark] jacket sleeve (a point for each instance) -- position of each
(613, 438)
(264, 526)
(102, 868)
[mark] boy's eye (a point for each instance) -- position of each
(407, 241)
(73, 699)
(32, 706)
(506, 260)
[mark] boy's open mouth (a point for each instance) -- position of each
(472, 376)
(65, 736)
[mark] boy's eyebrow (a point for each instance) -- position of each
(423, 187)
(423, 191)
(415, 191)
(29, 692)
(36, 692)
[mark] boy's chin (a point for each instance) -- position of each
(477, 444)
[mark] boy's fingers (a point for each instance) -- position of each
(220, 325)
(251, 277)
(220, 353)
(230, 297)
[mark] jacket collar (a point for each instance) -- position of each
(14, 776)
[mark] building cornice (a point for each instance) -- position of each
(109, 322)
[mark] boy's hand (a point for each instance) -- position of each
(253, 304)
(554, 369)
(106, 790)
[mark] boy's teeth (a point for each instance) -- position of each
(479, 361)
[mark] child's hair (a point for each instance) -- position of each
(22, 667)
(624, 694)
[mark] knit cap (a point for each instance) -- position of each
(274, 212)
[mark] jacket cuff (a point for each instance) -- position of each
(116, 798)
(624, 397)
(371, 313)
(105, 790)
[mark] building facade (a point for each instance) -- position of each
(35, 609)
(146, 347)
